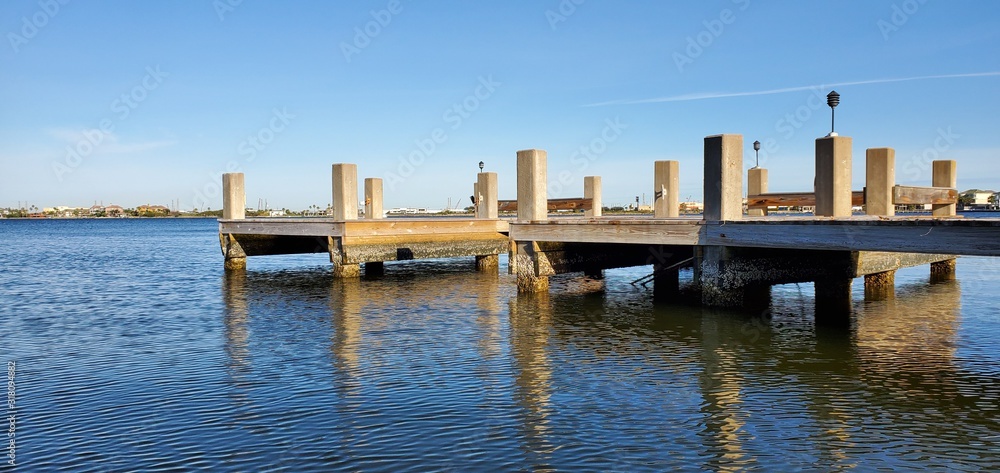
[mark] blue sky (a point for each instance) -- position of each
(149, 102)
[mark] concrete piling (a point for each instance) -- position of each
(666, 189)
(487, 190)
(532, 202)
(880, 178)
(592, 190)
(345, 191)
(880, 286)
(234, 201)
(944, 173)
(723, 177)
(532, 205)
(373, 200)
(756, 185)
(833, 176)
(234, 197)
(943, 270)
(833, 302)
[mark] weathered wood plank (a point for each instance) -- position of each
(611, 231)
(553, 204)
(961, 237)
(406, 239)
(924, 195)
(794, 199)
(279, 226)
(423, 226)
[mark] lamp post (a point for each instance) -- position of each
(481, 166)
(756, 154)
(832, 99)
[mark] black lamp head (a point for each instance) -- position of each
(481, 166)
(833, 99)
(756, 145)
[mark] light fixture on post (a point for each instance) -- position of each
(832, 99)
(481, 166)
(756, 154)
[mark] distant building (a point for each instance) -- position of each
(693, 207)
(980, 200)
(155, 209)
(96, 209)
(114, 211)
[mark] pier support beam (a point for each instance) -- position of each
(944, 173)
(486, 195)
(833, 302)
(525, 261)
(880, 178)
(346, 270)
(592, 190)
(374, 269)
(235, 256)
(943, 270)
(723, 282)
(345, 191)
(880, 286)
(756, 185)
(666, 283)
(666, 189)
(833, 176)
(373, 200)
(488, 263)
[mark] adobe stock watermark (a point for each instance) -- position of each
(456, 115)
(901, 13)
(564, 10)
(704, 39)
(30, 27)
(249, 149)
(920, 164)
(585, 155)
(364, 35)
(94, 137)
(224, 7)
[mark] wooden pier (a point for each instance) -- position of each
(736, 257)
(351, 241)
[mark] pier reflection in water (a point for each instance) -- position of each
(435, 367)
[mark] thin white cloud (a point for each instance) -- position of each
(719, 95)
(106, 143)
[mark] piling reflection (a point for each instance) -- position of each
(236, 330)
(346, 305)
(896, 364)
(530, 329)
(721, 384)
(239, 368)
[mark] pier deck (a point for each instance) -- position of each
(352, 242)
(860, 233)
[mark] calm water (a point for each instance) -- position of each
(134, 351)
